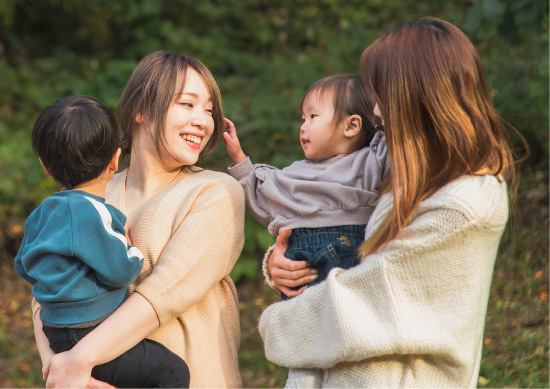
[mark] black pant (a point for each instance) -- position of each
(147, 365)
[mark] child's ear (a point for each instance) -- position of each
(45, 168)
(113, 166)
(353, 127)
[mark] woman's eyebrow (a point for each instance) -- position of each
(193, 94)
(190, 94)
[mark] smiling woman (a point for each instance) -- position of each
(189, 122)
(171, 116)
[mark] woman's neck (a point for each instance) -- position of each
(148, 175)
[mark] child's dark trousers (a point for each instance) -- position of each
(147, 365)
(325, 248)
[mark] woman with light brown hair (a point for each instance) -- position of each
(187, 221)
(412, 312)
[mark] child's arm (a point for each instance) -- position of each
(114, 262)
(232, 143)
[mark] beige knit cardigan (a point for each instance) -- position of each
(396, 320)
(191, 234)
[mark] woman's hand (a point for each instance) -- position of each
(232, 143)
(97, 384)
(65, 370)
(287, 273)
(42, 341)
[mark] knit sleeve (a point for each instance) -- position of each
(430, 300)
(251, 178)
(201, 252)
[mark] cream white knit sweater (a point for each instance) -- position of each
(413, 320)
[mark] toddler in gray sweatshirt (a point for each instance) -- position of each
(327, 199)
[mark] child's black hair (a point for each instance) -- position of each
(350, 98)
(76, 139)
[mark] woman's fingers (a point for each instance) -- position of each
(285, 278)
(282, 240)
(287, 273)
(292, 293)
(96, 384)
(66, 372)
(46, 369)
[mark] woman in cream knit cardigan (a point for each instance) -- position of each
(412, 312)
(188, 223)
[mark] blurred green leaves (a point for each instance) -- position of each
(264, 55)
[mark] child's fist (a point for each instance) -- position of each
(232, 143)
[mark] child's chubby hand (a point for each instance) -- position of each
(127, 229)
(232, 143)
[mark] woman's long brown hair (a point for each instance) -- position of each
(439, 119)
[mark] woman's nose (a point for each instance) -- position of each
(199, 119)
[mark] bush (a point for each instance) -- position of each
(264, 56)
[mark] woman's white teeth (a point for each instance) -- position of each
(192, 138)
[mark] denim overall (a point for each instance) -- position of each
(325, 248)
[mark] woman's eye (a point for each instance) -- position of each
(210, 112)
(186, 104)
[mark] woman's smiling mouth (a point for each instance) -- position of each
(192, 138)
(193, 141)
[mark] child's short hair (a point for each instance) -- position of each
(350, 98)
(76, 139)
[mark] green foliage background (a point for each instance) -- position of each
(264, 54)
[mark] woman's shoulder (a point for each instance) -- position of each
(212, 176)
(117, 179)
(114, 192)
(483, 198)
(212, 181)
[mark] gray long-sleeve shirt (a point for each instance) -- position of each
(336, 191)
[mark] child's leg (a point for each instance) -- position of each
(325, 248)
(148, 364)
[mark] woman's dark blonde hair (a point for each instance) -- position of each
(440, 123)
(152, 89)
(349, 98)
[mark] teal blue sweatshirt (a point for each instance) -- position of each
(75, 254)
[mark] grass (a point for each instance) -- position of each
(516, 333)
(516, 351)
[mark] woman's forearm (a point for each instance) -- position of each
(126, 327)
(121, 331)
(42, 341)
